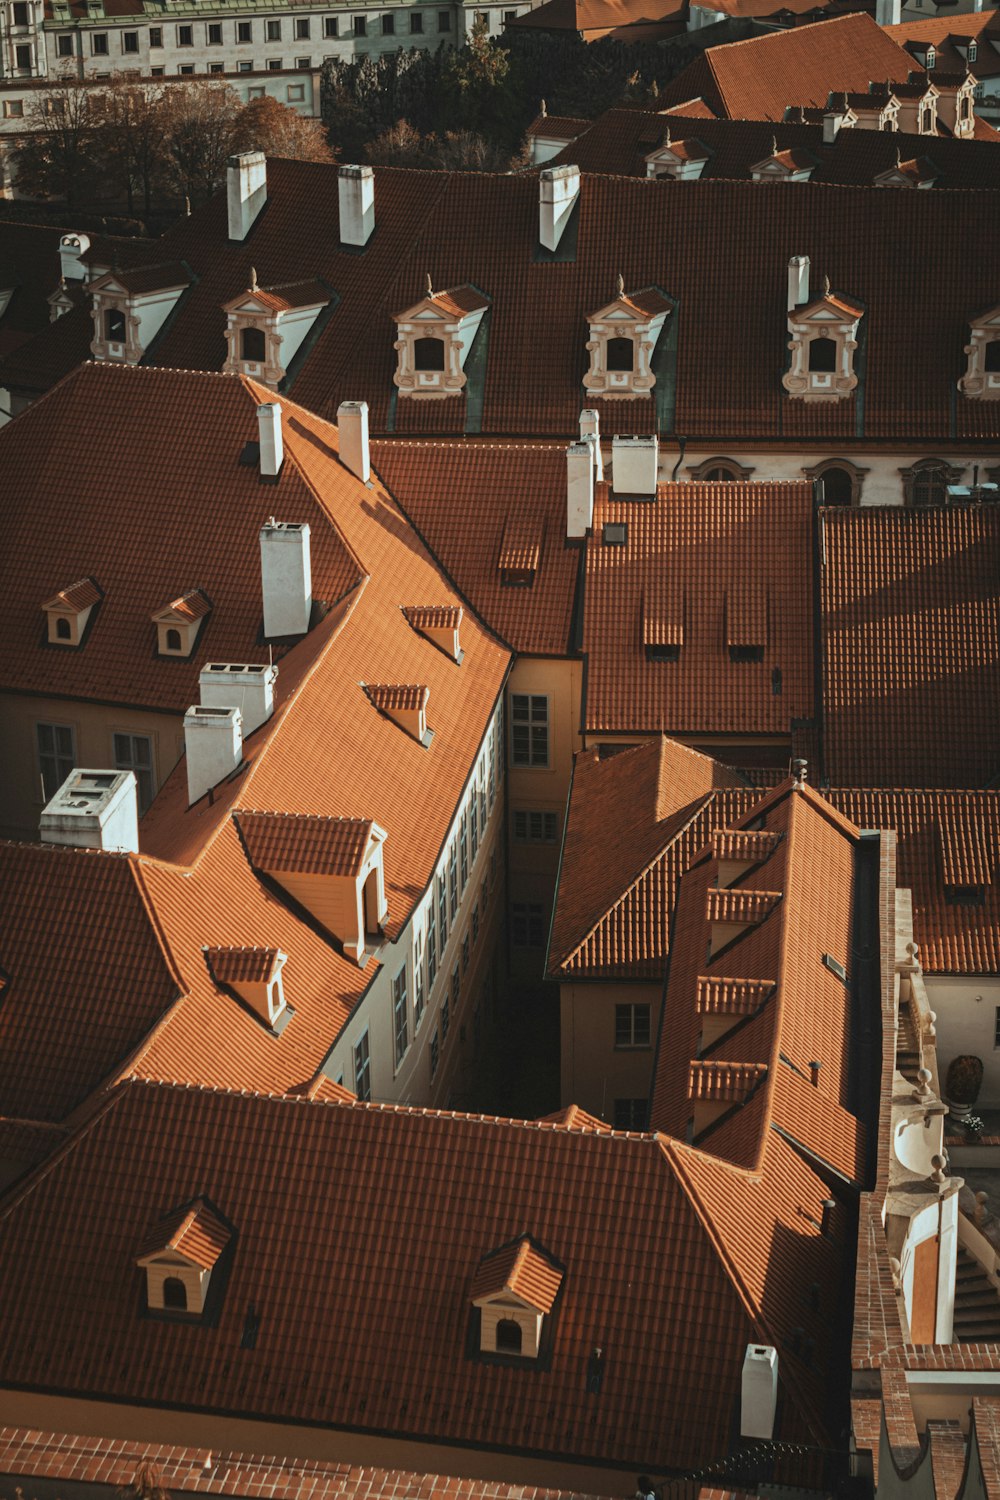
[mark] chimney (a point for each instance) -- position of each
(72, 249)
(94, 810)
(242, 685)
(286, 578)
(634, 463)
(213, 744)
(832, 122)
(759, 1392)
(355, 454)
(246, 191)
(590, 432)
(272, 448)
(888, 12)
(579, 489)
(558, 190)
(356, 187)
(829, 1204)
(798, 282)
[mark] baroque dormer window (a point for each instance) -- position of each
(266, 327)
(918, 172)
(68, 612)
(792, 165)
(622, 339)
(981, 381)
(179, 624)
(435, 338)
(514, 1290)
(181, 1255)
(682, 160)
(130, 307)
(822, 345)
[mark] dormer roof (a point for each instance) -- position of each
(244, 965)
(522, 1270)
(737, 905)
(831, 307)
(447, 307)
(305, 844)
(283, 297)
(792, 159)
(522, 543)
(686, 149)
(184, 610)
(392, 696)
(138, 281)
(73, 600)
(194, 1231)
(639, 307)
(915, 172)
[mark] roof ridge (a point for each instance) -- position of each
(30, 1180)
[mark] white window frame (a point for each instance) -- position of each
(400, 1017)
(528, 716)
(363, 1066)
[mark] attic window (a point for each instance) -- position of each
(509, 1337)
(665, 651)
(623, 336)
(746, 621)
(180, 1255)
(406, 705)
(433, 341)
(981, 381)
(615, 534)
(68, 612)
(129, 308)
(515, 1289)
(520, 551)
(255, 975)
(440, 624)
(253, 345)
(746, 653)
(823, 355)
(179, 624)
(267, 326)
(114, 326)
(428, 354)
(822, 346)
(835, 967)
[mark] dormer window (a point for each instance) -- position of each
(793, 165)
(68, 613)
(514, 1290)
(440, 624)
(405, 705)
(918, 172)
(434, 340)
(521, 550)
(973, 52)
(255, 976)
(266, 327)
(181, 1255)
(981, 381)
(822, 346)
(180, 623)
(623, 336)
(684, 161)
(114, 326)
(931, 59)
(130, 308)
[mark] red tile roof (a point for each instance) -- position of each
(556, 127)
(77, 597)
(194, 605)
(521, 1268)
(233, 965)
(29, 263)
(740, 905)
(950, 34)
(156, 278)
(194, 1231)
(397, 695)
(597, 18)
(305, 844)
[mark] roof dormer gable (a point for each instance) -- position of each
(683, 160)
(623, 336)
(822, 347)
(69, 612)
(180, 1255)
(515, 1289)
(791, 165)
(981, 381)
(434, 340)
(918, 172)
(180, 623)
(267, 326)
(730, 912)
(129, 308)
(405, 704)
(438, 623)
(255, 976)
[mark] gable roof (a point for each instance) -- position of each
(194, 1231)
(305, 844)
(521, 1268)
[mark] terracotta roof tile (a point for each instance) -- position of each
(737, 844)
(304, 843)
(156, 278)
(521, 1268)
(194, 605)
(194, 1231)
(78, 596)
(740, 905)
(728, 1082)
(730, 997)
(233, 965)
(397, 695)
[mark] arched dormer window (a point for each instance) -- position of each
(175, 1297)
(253, 345)
(836, 481)
(623, 338)
(927, 121)
(179, 624)
(64, 630)
(508, 1336)
(173, 639)
(964, 107)
(428, 354)
(515, 1290)
(114, 325)
(981, 380)
(621, 354)
(822, 355)
(719, 470)
(434, 339)
(823, 341)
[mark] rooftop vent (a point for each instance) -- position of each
(246, 191)
(213, 745)
(406, 705)
(286, 578)
(94, 810)
(254, 974)
(243, 685)
(440, 623)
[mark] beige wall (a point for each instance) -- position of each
(94, 726)
(966, 1011)
(593, 1072)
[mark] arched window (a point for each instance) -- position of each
(175, 1295)
(991, 357)
(428, 354)
(63, 631)
(927, 485)
(888, 123)
(716, 470)
(931, 59)
(927, 122)
(173, 638)
(508, 1336)
(252, 345)
(964, 107)
(822, 355)
(718, 475)
(114, 325)
(621, 354)
(836, 487)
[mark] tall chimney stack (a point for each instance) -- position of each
(590, 432)
(355, 453)
(558, 191)
(356, 199)
(798, 282)
(272, 447)
(579, 489)
(213, 746)
(246, 191)
(286, 578)
(94, 810)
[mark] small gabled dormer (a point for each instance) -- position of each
(791, 165)
(440, 624)
(130, 307)
(433, 341)
(60, 301)
(918, 172)
(876, 110)
(662, 620)
(405, 704)
(179, 623)
(822, 344)
(331, 866)
(721, 1003)
(731, 913)
(736, 852)
(623, 336)
(68, 612)
(956, 103)
(981, 381)
(266, 327)
(255, 975)
(683, 160)
(179, 1255)
(521, 550)
(515, 1289)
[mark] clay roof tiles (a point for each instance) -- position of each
(295, 294)
(740, 906)
(730, 997)
(304, 843)
(236, 965)
(194, 1231)
(156, 278)
(397, 695)
(194, 605)
(520, 1268)
(77, 597)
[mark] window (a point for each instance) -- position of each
(822, 355)
(273, 32)
(185, 36)
(114, 325)
(630, 1114)
(362, 1068)
(453, 880)
(215, 34)
(388, 25)
(508, 1336)
(434, 1052)
(442, 896)
(296, 93)
(835, 967)
(991, 357)
(621, 354)
(996, 1027)
(931, 59)
(186, 69)
(215, 67)
(475, 923)
(964, 895)
(432, 956)
(360, 25)
(493, 867)
(428, 354)
(927, 483)
(98, 44)
(273, 65)
(56, 755)
(444, 20)
(244, 67)
(156, 72)
(400, 1029)
(173, 638)
(13, 109)
(64, 46)
(445, 1019)
(926, 122)
(465, 954)
(482, 808)
(474, 823)
(535, 827)
(252, 345)
(22, 56)
(302, 29)
(973, 51)
(508, 16)
(632, 1026)
(134, 752)
(130, 41)
(746, 653)
(156, 36)
(418, 984)
(526, 928)
(456, 987)
(330, 26)
(491, 770)
(463, 848)
(243, 31)
(20, 13)
(529, 729)
(964, 108)
(416, 23)
(175, 1298)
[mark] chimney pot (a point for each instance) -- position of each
(72, 249)
(246, 191)
(829, 1204)
(579, 489)
(213, 746)
(558, 191)
(814, 1068)
(798, 282)
(286, 578)
(272, 447)
(355, 453)
(356, 202)
(759, 1392)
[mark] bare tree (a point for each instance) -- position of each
(131, 137)
(201, 122)
(58, 158)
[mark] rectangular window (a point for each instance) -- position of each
(835, 967)
(303, 62)
(302, 29)
(244, 31)
(630, 1114)
(526, 924)
(463, 849)
(134, 752)
(156, 72)
(529, 714)
(442, 897)
(453, 881)
(632, 1026)
(215, 34)
(416, 23)
(274, 31)
(432, 954)
(474, 822)
(156, 36)
(362, 1068)
(130, 41)
(400, 1020)
(186, 69)
(445, 1019)
(532, 827)
(418, 983)
(508, 16)
(98, 44)
(274, 65)
(444, 20)
(475, 923)
(20, 12)
(330, 26)
(64, 46)
(56, 755)
(456, 987)
(185, 36)
(465, 954)
(388, 25)
(434, 1052)
(360, 25)
(215, 67)
(996, 1032)
(296, 93)
(245, 67)
(482, 805)
(13, 109)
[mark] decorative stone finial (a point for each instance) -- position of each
(826, 286)
(620, 286)
(923, 1090)
(938, 1172)
(187, 206)
(430, 285)
(774, 145)
(544, 109)
(253, 278)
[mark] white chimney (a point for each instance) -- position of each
(72, 249)
(213, 744)
(272, 447)
(579, 489)
(558, 190)
(242, 685)
(590, 432)
(94, 810)
(356, 187)
(246, 191)
(634, 463)
(798, 281)
(888, 12)
(286, 578)
(355, 454)
(759, 1392)
(832, 122)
